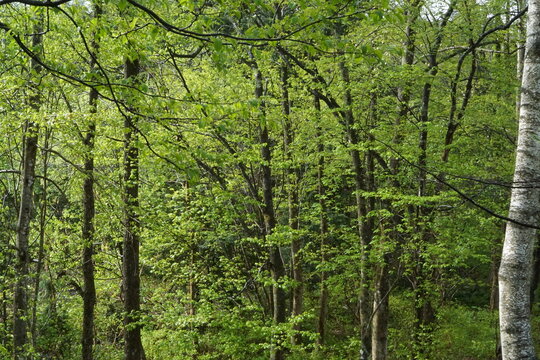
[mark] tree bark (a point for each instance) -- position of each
(515, 271)
(133, 349)
(323, 297)
(381, 288)
(496, 249)
(379, 325)
(365, 226)
(277, 267)
(20, 303)
(89, 287)
(89, 290)
(292, 182)
(381, 306)
(41, 248)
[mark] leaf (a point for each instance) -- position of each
(122, 5)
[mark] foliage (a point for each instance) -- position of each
(207, 280)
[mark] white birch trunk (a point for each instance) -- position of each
(516, 262)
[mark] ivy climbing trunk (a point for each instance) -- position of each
(133, 349)
(515, 271)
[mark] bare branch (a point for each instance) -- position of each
(46, 3)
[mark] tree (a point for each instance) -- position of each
(20, 303)
(515, 272)
(89, 289)
(202, 174)
(133, 349)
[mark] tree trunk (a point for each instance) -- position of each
(425, 313)
(41, 248)
(381, 288)
(20, 303)
(421, 276)
(133, 349)
(292, 182)
(89, 290)
(323, 298)
(515, 271)
(494, 276)
(365, 226)
(403, 93)
(379, 325)
(277, 267)
(89, 287)
(381, 306)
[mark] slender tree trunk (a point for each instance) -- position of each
(535, 272)
(365, 226)
(517, 256)
(381, 309)
(133, 349)
(456, 115)
(89, 287)
(381, 288)
(494, 288)
(323, 297)
(425, 313)
(403, 93)
(422, 302)
(494, 276)
(20, 303)
(41, 247)
(192, 284)
(89, 290)
(381, 306)
(277, 267)
(5, 318)
(292, 180)
(276, 261)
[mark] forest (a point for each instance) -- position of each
(269, 179)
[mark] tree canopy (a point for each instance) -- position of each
(219, 179)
